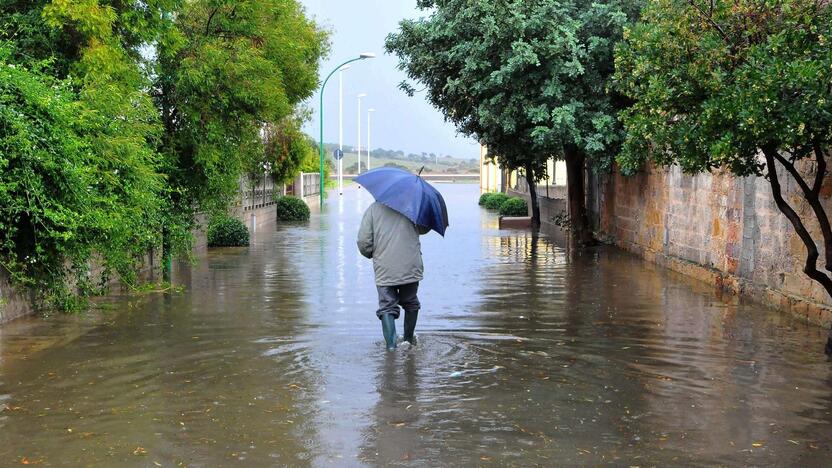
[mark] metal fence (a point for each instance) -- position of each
(261, 192)
(308, 184)
(258, 193)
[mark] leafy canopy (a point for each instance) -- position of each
(119, 120)
(231, 68)
(64, 195)
(524, 77)
(714, 82)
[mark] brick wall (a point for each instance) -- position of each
(719, 228)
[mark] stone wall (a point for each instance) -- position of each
(719, 228)
(13, 302)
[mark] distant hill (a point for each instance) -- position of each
(433, 163)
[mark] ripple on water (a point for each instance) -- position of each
(528, 355)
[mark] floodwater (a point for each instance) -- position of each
(527, 355)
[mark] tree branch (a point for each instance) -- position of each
(210, 17)
(710, 20)
(810, 267)
(821, 172)
(811, 196)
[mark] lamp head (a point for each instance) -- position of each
(361, 95)
(367, 55)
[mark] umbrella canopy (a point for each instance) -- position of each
(408, 194)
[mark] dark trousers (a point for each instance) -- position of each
(391, 297)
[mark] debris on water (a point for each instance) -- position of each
(456, 374)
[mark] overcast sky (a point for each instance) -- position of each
(400, 122)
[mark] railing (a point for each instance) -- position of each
(308, 184)
(259, 193)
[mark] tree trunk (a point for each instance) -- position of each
(576, 198)
(535, 203)
(812, 196)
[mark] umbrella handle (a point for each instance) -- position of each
(420, 171)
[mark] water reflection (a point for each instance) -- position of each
(528, 354)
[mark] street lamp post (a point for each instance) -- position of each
(365, 55)
(358, 149)
(369, 148)
(341, 128)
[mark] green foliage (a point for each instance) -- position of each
(484, 198)
(312, 159)
(495, 201)
(527, 78)
(119, 121)
(514, 206)
(562, 221)
(225, 231)
(66, 193)
(292, 209)
(233, 66)
(741, 85)
(714, 83)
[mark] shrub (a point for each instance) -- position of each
(495, 201)
(225, 231)
(484, 198)
(292, 209)
(514, 207)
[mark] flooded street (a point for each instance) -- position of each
(527, 355)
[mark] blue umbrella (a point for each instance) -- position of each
(408, 194)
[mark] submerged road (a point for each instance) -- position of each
(272, 355)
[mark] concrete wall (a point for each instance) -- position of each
(718, 228)
(550, 206)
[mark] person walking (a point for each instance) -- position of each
(406, 207)
(391, 240)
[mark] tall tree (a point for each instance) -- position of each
(742, 85)
(122, 119)
(224, 70)
(529, 79)
(79, 167)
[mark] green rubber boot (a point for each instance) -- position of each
(410, 318)
(388, 328)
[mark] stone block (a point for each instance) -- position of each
(507, 222)
(716, 227)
